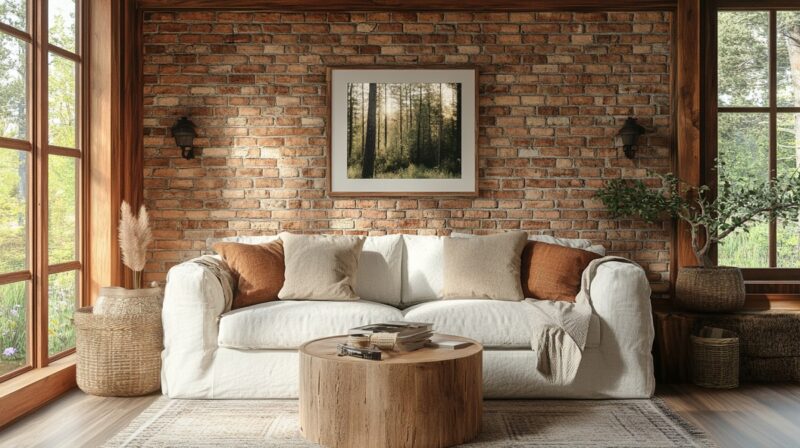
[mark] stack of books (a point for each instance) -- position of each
(396, 336)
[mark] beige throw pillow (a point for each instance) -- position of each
(320, 267)
(486, 267)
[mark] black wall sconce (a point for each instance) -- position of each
(629, 133)
(184, 134)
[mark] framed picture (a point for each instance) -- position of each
(398, 131)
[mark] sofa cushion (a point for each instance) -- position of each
(379, 269)
(484, 268)
(566, 242)
(493, 323)
(553, 272)
(422, 269)
(257, 268)
(288, 324)
(320, 267)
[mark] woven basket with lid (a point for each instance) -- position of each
(118, 355)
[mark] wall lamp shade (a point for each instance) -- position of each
(184, 134)
(629, 133)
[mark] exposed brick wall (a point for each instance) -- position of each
(554, 90)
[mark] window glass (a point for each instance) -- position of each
(62, 295)
(14, 13)
(788, 58)
(13, 326)
(13, 87)
(13, 210)
(743, 154)
(62, 102)
(62, 209)
(62, 24)
(788, 236)
(743, 58)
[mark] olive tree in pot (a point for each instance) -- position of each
(738, 205)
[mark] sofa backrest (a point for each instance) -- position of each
(404, 270)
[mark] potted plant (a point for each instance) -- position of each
(134, 237)
(737, 206)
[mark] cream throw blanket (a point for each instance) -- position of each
(561, 328)
(222, 272)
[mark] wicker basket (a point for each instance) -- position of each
(118, 355)
(713, 289)
(715, 358)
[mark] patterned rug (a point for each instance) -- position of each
(508, 424)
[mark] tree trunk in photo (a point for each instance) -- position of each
(401, 102)
(418, 148)
(368, 161)
(793, 45)
(378, 113)
(350, 118)
(363, 128)
(441, 134)
(385, 116)
(458, 122)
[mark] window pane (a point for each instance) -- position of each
(62, 103)
(62, 296)
(62, 24)
(14, 13)
(788, 237)
(743, 145)
(13, 87)
(13, 210)
(13, 326)
(788, 63)
(62, 209)
(743, 58)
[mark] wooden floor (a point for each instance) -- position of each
(751, 416)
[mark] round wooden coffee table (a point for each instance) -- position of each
(427, 398)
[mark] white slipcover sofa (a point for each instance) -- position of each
(213, 352)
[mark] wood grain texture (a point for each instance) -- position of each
(30, 391)
(427, 398)
(688, 135)
(413, 5)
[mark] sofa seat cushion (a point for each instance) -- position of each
(493, 323)
(288, 324)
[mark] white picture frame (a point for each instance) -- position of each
(461, 181)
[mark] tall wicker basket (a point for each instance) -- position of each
(715, 358)
(118, 355)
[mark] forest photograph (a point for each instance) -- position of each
(404, 130)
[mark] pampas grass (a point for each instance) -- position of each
(134, 237)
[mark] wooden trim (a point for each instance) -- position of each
(15, 277)
(756, 109)
(30, 391)
(61, 151)
(66, 54)
(19, 34)
(12, 143)
(412, 5)
(756, 4)
(329, 132)
(689, 136)
(64, 267)
(771, 274)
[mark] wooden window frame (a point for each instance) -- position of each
(36, 36)
(711, 111)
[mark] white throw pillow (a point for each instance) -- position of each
(422, 268)
(379, 269)
(484, 268)
(320, 267)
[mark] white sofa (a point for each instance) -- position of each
(213, 352)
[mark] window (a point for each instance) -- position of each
(41, 165)
(757, 121)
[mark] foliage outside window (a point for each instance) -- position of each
(39, 138)
(758, 124)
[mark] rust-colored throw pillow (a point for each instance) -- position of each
(258, 269)
(553, 272)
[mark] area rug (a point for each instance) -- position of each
(508, 424)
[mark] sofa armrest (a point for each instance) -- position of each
(621, 299)
(193, 302)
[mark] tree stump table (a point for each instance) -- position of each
(431, 397)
